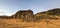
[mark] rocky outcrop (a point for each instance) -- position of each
(23, 14)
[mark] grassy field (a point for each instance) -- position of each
(17, 23)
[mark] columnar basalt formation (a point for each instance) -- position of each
(23, 14)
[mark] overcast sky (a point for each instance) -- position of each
(9, 7)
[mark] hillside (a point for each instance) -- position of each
(28, 15)
(26, 19)
(55, 11)
(50, 14)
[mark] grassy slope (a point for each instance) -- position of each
(16, 23)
